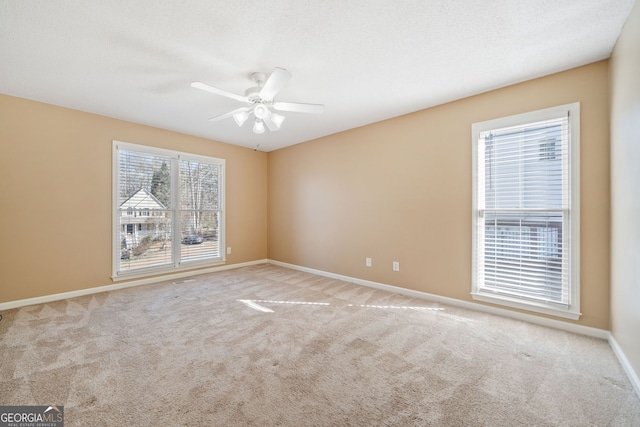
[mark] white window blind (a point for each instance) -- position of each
(525, 212)
(168, 209)
(199, 209)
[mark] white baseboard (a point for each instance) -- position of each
(81, 292)
(626, 365)
(544, 321)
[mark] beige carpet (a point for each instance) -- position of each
(269, 346)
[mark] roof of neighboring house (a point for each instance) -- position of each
(142, 199)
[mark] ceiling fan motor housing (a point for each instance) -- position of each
(253, 94)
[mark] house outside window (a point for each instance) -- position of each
(526, 211)
(168, 210)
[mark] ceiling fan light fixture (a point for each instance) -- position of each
(258, 126)
(261, 111)
(277, 119)
(241, 117)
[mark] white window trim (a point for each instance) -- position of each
(177, 265)
(573, 309)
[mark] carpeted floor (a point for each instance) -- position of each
(269, 346)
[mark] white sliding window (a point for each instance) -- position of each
(526, 211)
(168, 210)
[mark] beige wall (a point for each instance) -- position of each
(400, 190)
(55, 199)
(625, 189)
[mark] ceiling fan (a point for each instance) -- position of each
(261, 102)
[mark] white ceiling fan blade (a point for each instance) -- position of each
(274, 84)
(270, 124)
(215, 90)
(298, 107)
(229, 114)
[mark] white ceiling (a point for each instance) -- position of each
(365, 60)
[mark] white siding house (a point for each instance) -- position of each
(141, 215)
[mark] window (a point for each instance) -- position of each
(526, 211)
(168, 210)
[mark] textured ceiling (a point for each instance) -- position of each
(366, 61)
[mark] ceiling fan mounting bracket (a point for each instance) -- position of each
(259, 78)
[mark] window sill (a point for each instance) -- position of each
(166, 270)
(527, 305)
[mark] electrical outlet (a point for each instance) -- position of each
(368, 262)
(229, 250)
(396, 266)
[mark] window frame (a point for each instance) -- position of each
(177, 265)
(572, 310)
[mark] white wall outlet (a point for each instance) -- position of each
(229, 250)
(367, 262)
(396, 266)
